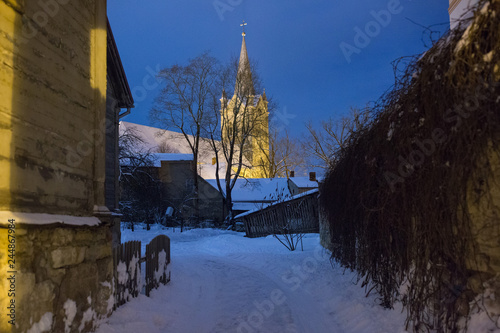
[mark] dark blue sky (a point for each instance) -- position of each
(297, 45)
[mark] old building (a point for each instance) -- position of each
(255, 193)
(57, 188)
(176, 174)
(118, 97)
(251, 112)
(169, 183)
(298, 185)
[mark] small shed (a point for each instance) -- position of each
(299, 185)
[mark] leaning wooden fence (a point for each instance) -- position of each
(127, 273)
(296, 215)
(157, 260)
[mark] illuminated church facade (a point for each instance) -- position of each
(251, 111)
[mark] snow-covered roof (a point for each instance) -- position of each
(256, 189)
(158, 157)
(153, 137)
(304, 182)
(297, 196)
(247, 206)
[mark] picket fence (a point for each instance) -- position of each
(128, 261)
(127, 272)
(157, 259)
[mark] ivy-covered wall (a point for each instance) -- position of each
(413, 203)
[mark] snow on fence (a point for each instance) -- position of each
(157, 260)
(296, 215)
(127, 273)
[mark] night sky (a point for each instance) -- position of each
(311, 55)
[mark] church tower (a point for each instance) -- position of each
(251, 112)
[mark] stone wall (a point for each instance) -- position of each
(64, 277)
(52, 162)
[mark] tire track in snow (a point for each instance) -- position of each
(304, 318)
(227, 296)
(225, 283)
(239, 298)
(195, 296)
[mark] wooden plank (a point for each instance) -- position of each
(299, 215)
(153, 250)
(125, 253)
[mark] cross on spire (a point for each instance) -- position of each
(243, 27)
(244, 81)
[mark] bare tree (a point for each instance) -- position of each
(324, 143)
(164, 147)
(131, 150)
(185, 103)
(284, 154)
(141, 197)
(238, 122)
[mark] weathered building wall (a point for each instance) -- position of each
(211, 204)
(52, 160)
(177, 177)
(460, 10)
(64, 278)
(53, 91)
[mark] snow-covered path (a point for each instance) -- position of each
(224, 282)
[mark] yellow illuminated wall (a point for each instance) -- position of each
(256, 149)
(7, 25)
(8, 19)
(53, 88)
(52, 117)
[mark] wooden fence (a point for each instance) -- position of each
(157, 260)
(127, 273)
(297, 215)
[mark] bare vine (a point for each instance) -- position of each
(397, 197)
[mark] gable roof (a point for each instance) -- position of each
(158, 157)
(252, 193)
(304, 182)
(116, 73)
(297, 196)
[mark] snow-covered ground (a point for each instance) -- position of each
(224, 282)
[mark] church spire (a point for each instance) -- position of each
(244, 82)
